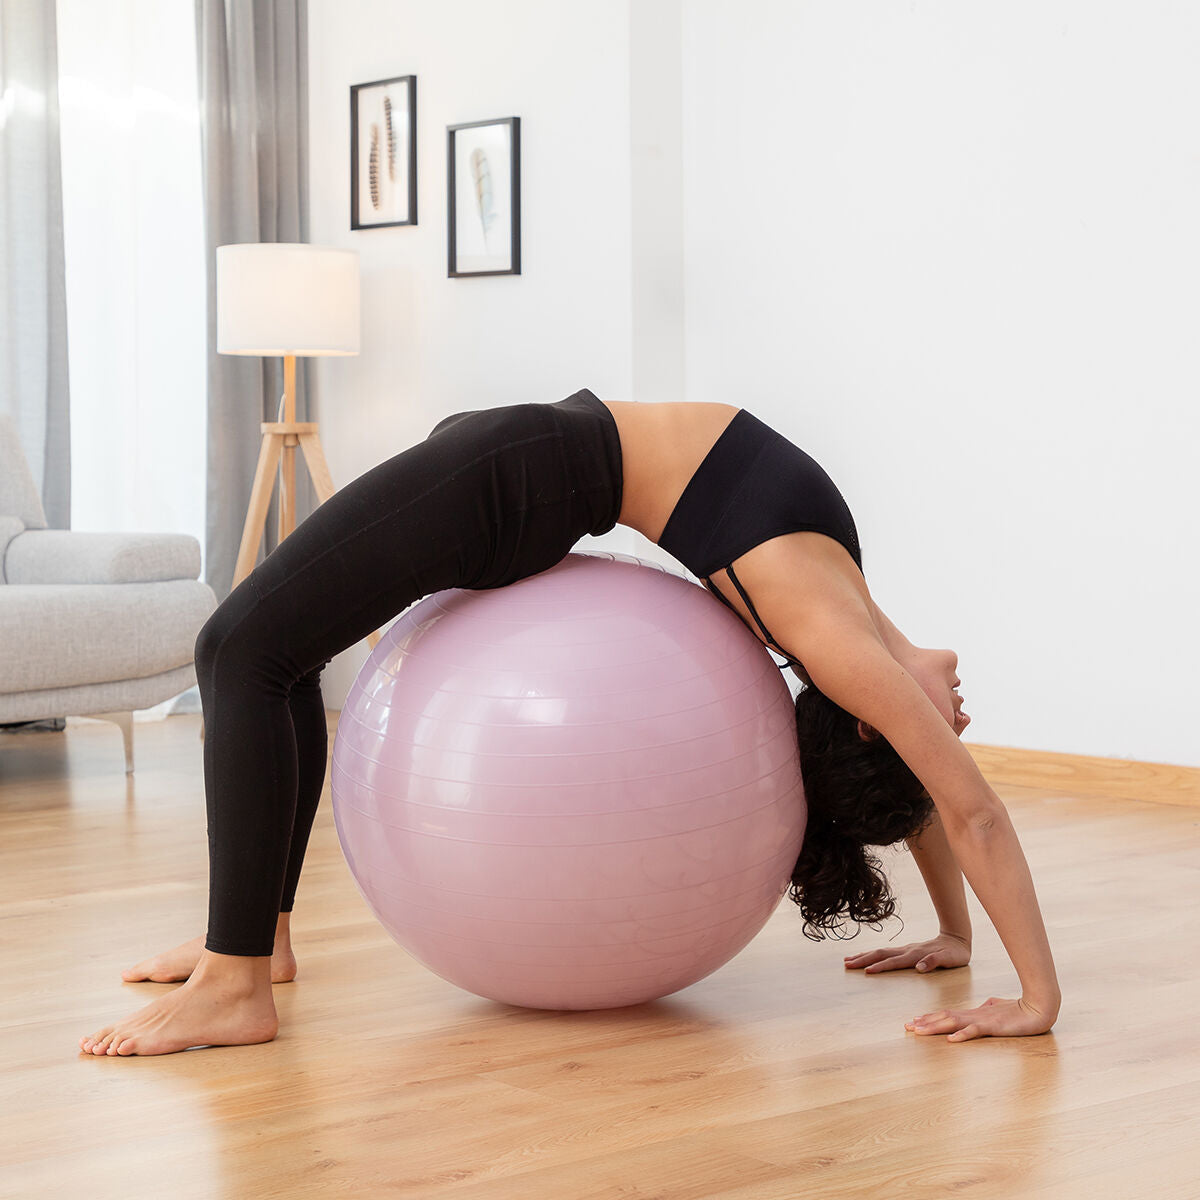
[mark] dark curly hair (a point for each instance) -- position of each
(860, 793)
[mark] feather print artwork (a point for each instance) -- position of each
(481, 172)
(383, 153)
(373, 168)
(390, 127)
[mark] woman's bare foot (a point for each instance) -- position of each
(226, 1002)
(174, 966)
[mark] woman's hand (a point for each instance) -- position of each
(945, 950)
(993, 1018)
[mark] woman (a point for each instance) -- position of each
(494, 496)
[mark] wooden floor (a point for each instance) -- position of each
(779, 1076)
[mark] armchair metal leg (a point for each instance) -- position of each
(125, 721)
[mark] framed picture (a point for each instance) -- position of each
(383, 153)
(484, 161)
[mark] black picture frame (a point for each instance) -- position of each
(383, 153)
(484, 206)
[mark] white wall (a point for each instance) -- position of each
(953, 249)
(432, 345)
(950, 249)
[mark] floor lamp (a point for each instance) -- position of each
(285, 300)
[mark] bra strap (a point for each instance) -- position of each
(741, 591)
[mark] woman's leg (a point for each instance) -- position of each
(312, 740)
(408, 527)
(411, 526)
(307, 708)
(489, 501)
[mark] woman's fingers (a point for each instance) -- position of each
(994, 1018)
(958, 1025)
(942, 951)
(887, 960)
(940, 1022)
(896, 962)
(867, 957)
(866, 961)
(893, 960)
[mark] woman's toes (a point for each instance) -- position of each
(141, 972)
(88, 1044)
(101, 1043)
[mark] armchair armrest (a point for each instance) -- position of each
(67, 556)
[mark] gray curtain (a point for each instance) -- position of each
(33, 291)
(253, 71)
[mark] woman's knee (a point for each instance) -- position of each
(228, 640)
(244, 639)
(310, 681)
(208, 643)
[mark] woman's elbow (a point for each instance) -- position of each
(980, 822)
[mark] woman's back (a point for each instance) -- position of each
(662, 445)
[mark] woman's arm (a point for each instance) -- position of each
(952, 946)
(943, 879)
(849, 663)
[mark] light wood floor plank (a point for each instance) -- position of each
(1127, 779)
(782, 1075)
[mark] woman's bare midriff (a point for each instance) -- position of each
(661, 447)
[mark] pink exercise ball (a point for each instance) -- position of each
(580, 791)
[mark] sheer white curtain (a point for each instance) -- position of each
(34, 389)
(135, 263)
(134, 230)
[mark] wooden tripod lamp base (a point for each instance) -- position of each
(279, 443)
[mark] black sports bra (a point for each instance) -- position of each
(753, 485)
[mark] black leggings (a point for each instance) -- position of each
(488, 498)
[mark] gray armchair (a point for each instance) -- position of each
(91, 624)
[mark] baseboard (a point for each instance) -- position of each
(1122, 778)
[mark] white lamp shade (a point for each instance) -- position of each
(281, 298)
